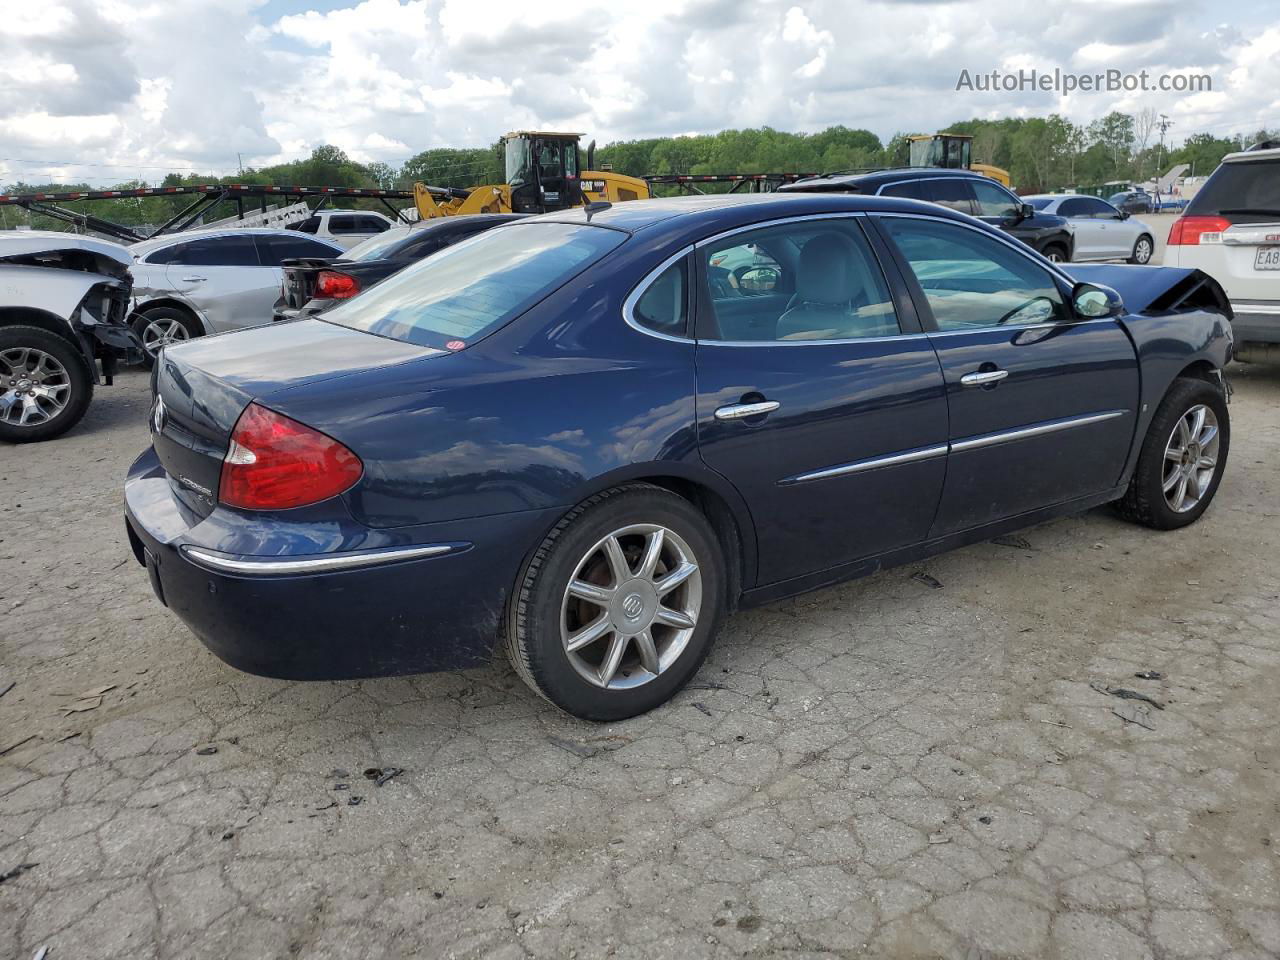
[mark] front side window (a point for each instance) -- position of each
(373, 225)
(993, 201)
(971, 280)
(1040, 203)
(808, 280)
(1101, 210)
(519, 164)
(472, 288)
(385, 244)
(954, 194)
(664, 305)
(344, 225)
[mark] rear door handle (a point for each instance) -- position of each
(739, 411)
(985, 378)
(193, 279)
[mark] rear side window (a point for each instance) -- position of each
(232, 251)
(664, 306)
(273, 249)
(909, 190)
(471, 289)
(1243, 192)
(954, 194)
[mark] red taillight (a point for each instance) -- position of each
(275, 463)
(332, 285)
(1188, 231)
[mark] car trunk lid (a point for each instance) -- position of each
(203, 386)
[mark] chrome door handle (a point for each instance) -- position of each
(738, 411)
(983, 378)
(193, 279)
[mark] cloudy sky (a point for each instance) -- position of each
(106, 90)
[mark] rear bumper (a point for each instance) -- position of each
(1256, 322)
(388, 602)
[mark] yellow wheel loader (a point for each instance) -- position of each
(953, 151)
(543, 172)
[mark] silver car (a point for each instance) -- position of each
(1101, 231)
(210, 281)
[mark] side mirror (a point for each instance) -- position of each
(1026, 211)
(1093, 301)
(1123, 215)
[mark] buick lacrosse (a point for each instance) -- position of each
(587, 436)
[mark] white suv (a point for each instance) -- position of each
(1231, 231)
(346, 228)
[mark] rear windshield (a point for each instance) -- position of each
(1242, 192)
(379, 246)
(469, 290)
(1039, 202)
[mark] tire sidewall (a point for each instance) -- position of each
(1184, 395)
(539, 633)
(71, 358)
(1151, 249)
(1057, 248)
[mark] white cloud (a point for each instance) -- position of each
(145, 84)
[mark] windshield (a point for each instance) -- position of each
(519, 162)
(379, 246)
(471, 289)
(1040, 203)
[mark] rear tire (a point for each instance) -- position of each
(159, 326)
(1056, 253)
(622, 640)
(45, 384)
(1143, 248)
(1174, 481)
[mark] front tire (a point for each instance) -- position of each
(1182, 458)
(1143, 248)
(45, 384)
(617, 608)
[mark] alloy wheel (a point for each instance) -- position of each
(1142, 252)
(159, 332)
(631, 606)
(1190, 458)
(34, 386)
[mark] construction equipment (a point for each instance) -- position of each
(543, 172)
(952, 151)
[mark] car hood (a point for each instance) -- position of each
(1153, 289)
(25, 243)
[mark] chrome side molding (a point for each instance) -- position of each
(326, 563)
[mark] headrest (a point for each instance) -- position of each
(830, 270)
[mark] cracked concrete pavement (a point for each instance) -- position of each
(879, 769)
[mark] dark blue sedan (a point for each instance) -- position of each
(585, 437)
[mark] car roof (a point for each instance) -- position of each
(20, 243)
(706, 213)
(1252, 154)
(1059, 196)
(878, 177)
(155, 243)
(330, 211)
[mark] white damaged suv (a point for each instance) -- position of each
(1231, 231)
(64, 300)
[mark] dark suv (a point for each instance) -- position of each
(962, 190)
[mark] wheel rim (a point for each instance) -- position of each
(1190, 458)
(1144, 251)
(159, 332)
(1054, 256)
(34, 387)
(631, 606)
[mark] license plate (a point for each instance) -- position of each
(1268, 258)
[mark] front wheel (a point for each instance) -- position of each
(616, 609)
(45, 386)
(1142, 250)
(1056, 253)
(1182, 458)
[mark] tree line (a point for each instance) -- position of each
(1040, 153)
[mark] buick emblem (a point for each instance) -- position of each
(157, 416)
(633, 606)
